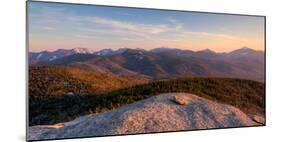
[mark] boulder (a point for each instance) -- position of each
(181, 99)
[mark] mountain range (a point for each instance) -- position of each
(158, 63)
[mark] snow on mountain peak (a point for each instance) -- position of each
(82, 50)
(108, 52)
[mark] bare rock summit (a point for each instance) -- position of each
(164, 112)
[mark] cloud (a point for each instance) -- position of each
(149, 30)
(172, 20)
(129, 26)
(88, 27)
(50, 18)
(214, 35)
(85, 36)
(104, 25)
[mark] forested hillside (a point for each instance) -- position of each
(244, 94)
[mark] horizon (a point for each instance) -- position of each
(55, 26)
(143, 49)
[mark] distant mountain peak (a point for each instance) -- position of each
(245, 47)
(61, 50)
(82, 50)
(121, 50)
(243, 51)
(106, 49)
(104, 52)
(161, 49)
(207, 50)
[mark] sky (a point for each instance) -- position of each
(65, 26)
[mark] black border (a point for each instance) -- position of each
(27, 69)
(69, 3)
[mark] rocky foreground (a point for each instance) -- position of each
(165, 112)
